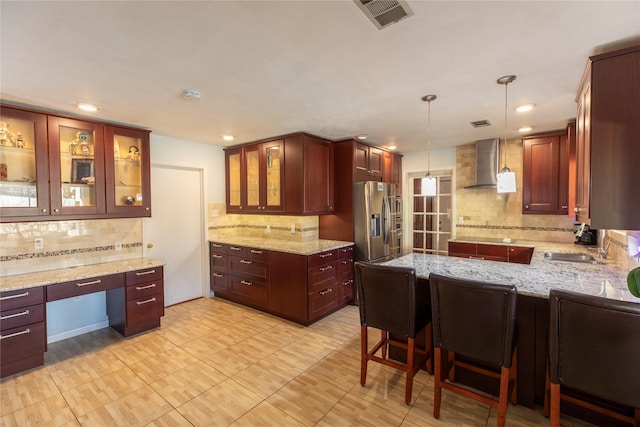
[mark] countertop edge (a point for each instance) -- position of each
(49, 277)
(297, 248)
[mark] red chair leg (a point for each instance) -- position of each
(437, 379)
(383, 336)
(503, 397)
(411, 348)
(554, 406)
(363, 354)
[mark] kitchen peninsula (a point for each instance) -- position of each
(533, 281)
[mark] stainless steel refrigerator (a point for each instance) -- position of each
(377, 221)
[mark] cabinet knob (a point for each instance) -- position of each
(147, 208)
(43, 210)
(564, 207)
(526, 206)
(56, 210)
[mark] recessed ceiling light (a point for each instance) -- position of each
(525, 129)
(362, 136)
(191, 94)
(228, 137)
(524, 108)
(392, 147)
(85, 106)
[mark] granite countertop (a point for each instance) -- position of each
(30, 280)
(299, 248)
(605, 278)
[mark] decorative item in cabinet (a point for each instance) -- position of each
(545, 179)
(23, 332)
(127, 171)
(24, 164)
(75, 150)
(235, 192)
(219, 282)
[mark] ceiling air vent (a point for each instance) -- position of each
(481, 123)
(384, 12)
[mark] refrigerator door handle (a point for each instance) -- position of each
(386, 220)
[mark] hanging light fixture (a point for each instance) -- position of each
(428, 184)
(506, 179)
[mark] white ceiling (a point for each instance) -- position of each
(266, 68)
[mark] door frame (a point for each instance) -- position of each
(204, 262)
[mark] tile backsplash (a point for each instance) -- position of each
(67, 243)
(482, 212)
(293, 228)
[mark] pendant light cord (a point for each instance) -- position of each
(506, 88)
(429, 139)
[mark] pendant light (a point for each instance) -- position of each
(428, 184)
(506, 179)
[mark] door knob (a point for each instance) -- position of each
(149, 245)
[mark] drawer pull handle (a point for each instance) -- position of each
(140, 288)
(244, 261)
(11, 316)
(347, 282)
(24, 294)
(235, 248)
(349, 261)
(26, 331)
(347, 250)
(142, 273)
(328, 291)
(244, 282)
(147, 301)
(329, 267)
(255, 251)
(326, 255)
(475, 257)
(215, 245)
(93, 282)
(217, 275)
(217, 256)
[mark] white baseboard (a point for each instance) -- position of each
(78, 331)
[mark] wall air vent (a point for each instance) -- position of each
(481, 123)
(384, 12)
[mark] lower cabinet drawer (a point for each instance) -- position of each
(17, 317)
(84, 286)
(249, 289)
(142, 290)
(22, 342)
(249, 266)
(322, 276)
(143, 276)
(21, 298)
(323, 301)
(346, 291)
(219, 281)
(144, 309)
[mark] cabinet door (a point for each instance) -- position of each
(24, 164)
(376, 162)
(397, 173)
(361, 158)
(545, 175)
(251, 177)
(127, 171)
(387, 167)
(318, 176)
(272, 176)
(76, 155)
(235, 185)
(583, 155)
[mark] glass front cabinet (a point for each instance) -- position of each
(53, 166)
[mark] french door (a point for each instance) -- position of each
(431, 215)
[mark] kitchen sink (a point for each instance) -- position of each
(557, 256)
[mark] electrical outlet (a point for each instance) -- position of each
(214, 213)
(268, 229)
(117, 246)
(293, 229)
(38, 243)
(460, 220)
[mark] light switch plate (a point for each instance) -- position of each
(38, 243)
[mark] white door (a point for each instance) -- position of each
(175, 230)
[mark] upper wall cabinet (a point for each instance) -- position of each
(291, 174)
(608, 140)
(368, 162)
(545, 174)
(57, 167)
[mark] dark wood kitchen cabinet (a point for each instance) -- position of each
(545, 179)
(300, 288)
(23, 331)
(489, 252)
(392, 171)
(607, 141)
(368, 162)
(292, 174)
(56, 167)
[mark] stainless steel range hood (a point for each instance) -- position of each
(486, 163)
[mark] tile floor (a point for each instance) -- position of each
(214, 363)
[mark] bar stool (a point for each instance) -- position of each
(391, 300)
(594, 349)
(475, 320)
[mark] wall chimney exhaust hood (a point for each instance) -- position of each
(486, 163)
